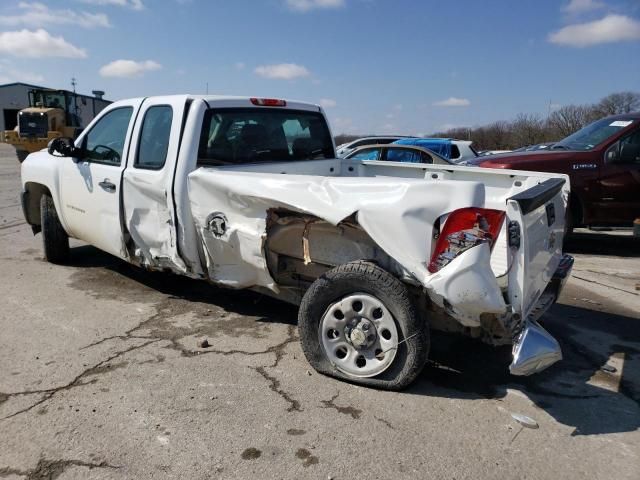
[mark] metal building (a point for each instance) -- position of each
(15, 96)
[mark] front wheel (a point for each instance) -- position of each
(55, 240)
(357, 323)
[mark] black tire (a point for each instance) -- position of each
(365, 277)
(55, 240)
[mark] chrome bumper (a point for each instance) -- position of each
(535, 349)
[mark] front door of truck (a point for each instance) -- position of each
(149, 210)
(620, 180)
(90, 185)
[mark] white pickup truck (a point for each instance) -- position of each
(247, 193)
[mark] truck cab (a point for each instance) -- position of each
(603, 162)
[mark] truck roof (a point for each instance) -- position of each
(231, 101)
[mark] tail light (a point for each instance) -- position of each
(463, 229)
(269, 102)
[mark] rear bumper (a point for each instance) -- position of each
(535, 349)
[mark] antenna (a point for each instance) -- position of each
(207, 88)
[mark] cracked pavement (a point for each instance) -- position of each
(102, 378)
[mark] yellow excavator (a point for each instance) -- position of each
(51, 114)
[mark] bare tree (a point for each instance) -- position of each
(528, 129)
(569, 118)
(617, 103)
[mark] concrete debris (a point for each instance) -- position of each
(525, 421)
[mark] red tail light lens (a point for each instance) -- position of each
(269, 102)
(463, 229)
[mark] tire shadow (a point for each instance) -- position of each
(575, 392)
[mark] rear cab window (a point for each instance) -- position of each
(232, 136)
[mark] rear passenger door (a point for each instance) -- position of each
(148, 183)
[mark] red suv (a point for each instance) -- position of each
(603, 161)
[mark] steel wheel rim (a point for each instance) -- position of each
(339, 337)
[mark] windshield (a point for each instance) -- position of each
(40, 98)
(248, 135)
(592, 135)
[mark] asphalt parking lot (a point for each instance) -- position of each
(101, 377)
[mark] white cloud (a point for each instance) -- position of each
(306, 5)
(240, 65)
(581, 6)
(38, 44)
(128, 68)
(342, 125)
(8, 74)
(133, 4)
(282, 71)
(327, 103)
(39, 15)
(453, 102)
(612, 28)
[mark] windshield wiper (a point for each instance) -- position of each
(557, 147)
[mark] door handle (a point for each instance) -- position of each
(107, 185)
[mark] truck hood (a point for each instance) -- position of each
(528, 160)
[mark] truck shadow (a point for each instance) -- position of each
(242, 302)
(601, 243)
(575, 392)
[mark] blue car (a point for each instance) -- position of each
(457, 151)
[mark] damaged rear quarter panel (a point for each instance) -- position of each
(397, 213)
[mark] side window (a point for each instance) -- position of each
(403, 155)
(105, 141)
(367, 154)
(630, 148)
(455, 152)
(426, 158)
(154, 137)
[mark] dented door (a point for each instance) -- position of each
(148, 184)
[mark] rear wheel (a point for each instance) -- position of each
(357, 323)
(55, 240)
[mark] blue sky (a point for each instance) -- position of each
(379, 66)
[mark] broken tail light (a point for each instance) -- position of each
(463, 229)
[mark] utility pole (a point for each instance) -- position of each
(75, 97)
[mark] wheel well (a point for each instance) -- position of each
(299, 248)
(31, 205)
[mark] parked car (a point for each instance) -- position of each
(398, 153)
(346, 148)
(246, 193)
(458, 151)
(603, 162)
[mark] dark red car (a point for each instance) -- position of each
(603, 162)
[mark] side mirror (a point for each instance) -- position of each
(630, 153)
(61, 147)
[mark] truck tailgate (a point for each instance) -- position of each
(536, 222)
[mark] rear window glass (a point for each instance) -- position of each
(248, 135)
